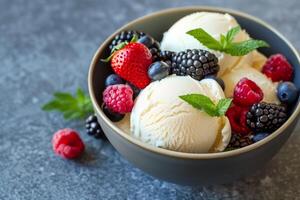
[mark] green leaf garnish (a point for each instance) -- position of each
(226, 43)
(232, 33)
(204, 103)
(78, 106)
(243, 48)
(206, 39)
(223, 106)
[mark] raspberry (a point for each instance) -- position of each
(67, 143)
(118, 98)
(247, 93)
(278, 68)
(237, 117)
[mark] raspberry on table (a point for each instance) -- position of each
(67, 143)
(237, 119)
(266, 117)
(246, 93)
(195, 63)
(118, 98)
(278, 68)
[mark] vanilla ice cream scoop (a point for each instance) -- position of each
(160, 118)
(176, 39)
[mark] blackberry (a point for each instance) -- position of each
(195, 63)
(93, 127)
(166, 56)
(266, 117)
(238, 141)
(124, 36)
(155, 51)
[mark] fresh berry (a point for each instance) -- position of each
(259, 136)
(118, 98)
(287, 92)
(195, 63)
(93, 127)
(136, 91)
(246, 93)
(152, 45)
(113, 116)
(113, 79)
(219, 80)
(124, 36)
(278, 68)
(158, 70)
(67, 143)
(266, 117)
(237, 119)
(132, 63)
(146, 40)
(166, 56)
(239, 141)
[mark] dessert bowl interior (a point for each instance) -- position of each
(146, 156)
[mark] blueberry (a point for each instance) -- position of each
(219, 81)
(113, 116)
(259, 137)
(287, 92)
(146, 40)
(158, 70)
(113, 79)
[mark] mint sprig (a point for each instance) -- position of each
(204, 103)
(226, 43)
(72, 107)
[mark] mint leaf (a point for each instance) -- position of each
(200, 102)
(72, 107)
(223, 106)
(232, 33)
(245, 47)
(204, 103)
(223, 41)
(207, 40)
(226, 43)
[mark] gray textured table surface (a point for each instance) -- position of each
(46, 46)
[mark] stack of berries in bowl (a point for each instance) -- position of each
(137, 60)
(251, 118)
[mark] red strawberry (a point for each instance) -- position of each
(247, 93)
(132, 63)
(278, 68)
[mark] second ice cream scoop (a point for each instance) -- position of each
(162, 119)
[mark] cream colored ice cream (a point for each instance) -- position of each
(162, 119)
(232, 68)
(267, 86)
(176, 39)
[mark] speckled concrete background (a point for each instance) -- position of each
(46, 46)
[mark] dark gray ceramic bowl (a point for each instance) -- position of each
(188, 168)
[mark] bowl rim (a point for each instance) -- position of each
(176, 154)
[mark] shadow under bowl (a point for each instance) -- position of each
(189, 168)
